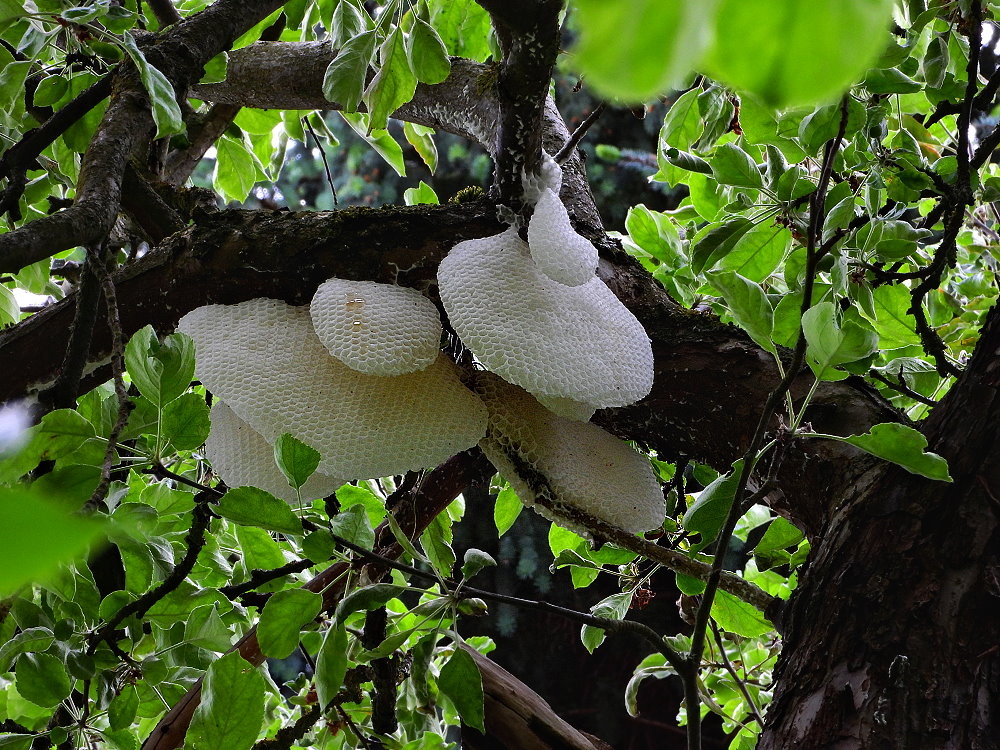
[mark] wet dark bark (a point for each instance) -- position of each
(893, 639)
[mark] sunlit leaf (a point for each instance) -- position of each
(793, 52)
(656, 44)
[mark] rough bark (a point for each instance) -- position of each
(892, 638)
(127, 124)
(710, 378)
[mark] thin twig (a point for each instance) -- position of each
(638, 629)
(817, 214)
(740, 683)
(574, 140)
(362, 737)
(288, 736)
(193, 542)
(62, 394)
(162, 472)
(322, 153)
(902, 387)
(99, 261)
(259, 577)
(20, 157)
(164, 11)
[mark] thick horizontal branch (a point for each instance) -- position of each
(710, 378)
(289, 75)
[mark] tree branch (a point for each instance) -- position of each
(532, 43)
(193, 543)
(232, 256)
(289, 75)
(181, 55)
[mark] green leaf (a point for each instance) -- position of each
(731, 165)
(780, 534)
(42, 679)
(367, 598)
(167, 501)
(344, 80)
(682, 124)
(614, 607)
(758, 252)
(572, 558)
(29, 639)
(427, 54)
(904, 446)
(123, 708)
(10, 309)
(205, 628)
(34, 278)
(354, 526)
(711, 246)
(474, 561)
(331, 664)
(686, 161)
(655, 44)
(380, 140)
(166, 112)
(318, 545)
(350, 495)
(736, 616)
(185, 421)
(404, 541)
(707, 514)
(424, 194)
(161, 371)
(895, 326)
(748, 306)
(436, 544)
(250, 506)
(296, 460)
(60, 433)
(506, 510)
(12, 77)
(830, 344)
(464, 27)
(215, 69)
(890, 81)
(461, 682)
(393, 84)
(235, 172)
(283, 617)
(772, 49)
(688, 585)
(347, 22)
(231, 711)
(11, 9)
(40, 536)
(422, 140)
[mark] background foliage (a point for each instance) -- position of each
(829, 192)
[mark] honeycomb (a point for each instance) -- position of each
(553, 340)
(263, 358)
(241, 456)
(558, 251)
(548, 177)
(378, 329)
(567, 407)
(557, 465)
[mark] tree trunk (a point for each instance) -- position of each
(909, 570)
